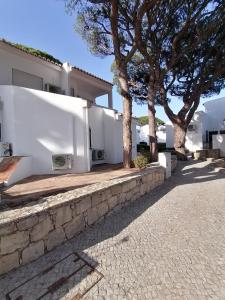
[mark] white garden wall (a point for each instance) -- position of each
(219, 143)
(194, 139)
(40, 124)
(144, 134)
(107, 134)
(215, 111)
(169, 136)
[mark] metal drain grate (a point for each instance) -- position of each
(68, 279)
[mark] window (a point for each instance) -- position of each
(53, 89)
(20, 78)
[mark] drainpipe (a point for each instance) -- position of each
(110, 100)
(88, 154)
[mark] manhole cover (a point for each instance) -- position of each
(68, 279)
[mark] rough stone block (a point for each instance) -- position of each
(41, 230)
(122, 197)
(55, 238)
(150, 177)
(102, 209)
(7, 229)
(74, 226)
(96, 199)
(125, 187)
(63, 215)
(144, 179)
(14, 241)
(9, 262)
(32, 252)
(136, 190)
(117, 189)
(106, 194)
(27, 223)
(143, 189)
(112, 202)
(129, 196)
(92, 215)
(83, 205)
(128, 186)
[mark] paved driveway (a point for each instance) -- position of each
(169, 244)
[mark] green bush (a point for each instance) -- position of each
(140, 162)
(143, 143)
(143, 147)
(161, 147)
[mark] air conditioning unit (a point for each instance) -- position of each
(5, 149)
(61, 161)
(97, 154)
(192, 127)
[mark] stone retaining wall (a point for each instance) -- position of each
(27, 233)
(207, 153)
(173, 163)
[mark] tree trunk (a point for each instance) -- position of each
(127, 116)
(179, 141)
(152, 126)
(127, 132)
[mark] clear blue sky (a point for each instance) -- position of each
(44, 24)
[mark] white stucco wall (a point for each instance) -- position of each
(219, 143)
(107, 134)
(66, 77)
(169, 136)
(143, 132)
(194, 139)
(11, 60)
(96, 124)
(40, 124)
(215, 111)
(161, 135)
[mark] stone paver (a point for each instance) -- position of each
(170, 244)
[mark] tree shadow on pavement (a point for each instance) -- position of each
(187, 173)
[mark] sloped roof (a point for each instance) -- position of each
(47, 57)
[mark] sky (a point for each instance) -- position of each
(45, 25)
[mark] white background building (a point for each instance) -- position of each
(143, 134)
(206, 130)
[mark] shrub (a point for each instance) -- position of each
(140, 162)
(143, 147)
(143, 143)
(161, 147)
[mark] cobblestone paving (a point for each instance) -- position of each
(169, 244)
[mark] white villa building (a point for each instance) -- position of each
(49, 116)
(143, 134)
(206, 130)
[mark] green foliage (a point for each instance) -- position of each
(35, 52)
(143, 120)
(161, 147)
(140, 162)
(142, 147)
